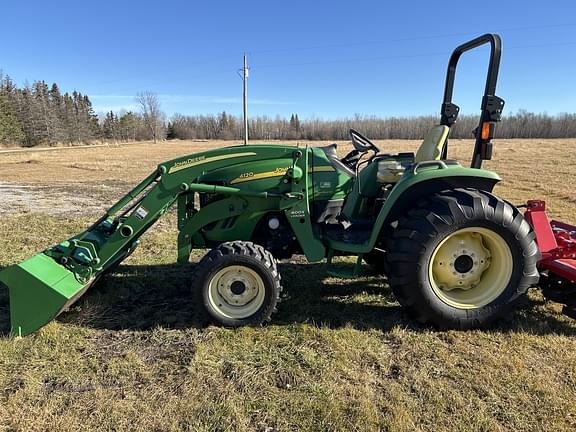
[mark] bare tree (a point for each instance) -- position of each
(151, 112)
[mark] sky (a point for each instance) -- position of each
(325, 59)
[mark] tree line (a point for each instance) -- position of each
(40, 114)
(224, 126)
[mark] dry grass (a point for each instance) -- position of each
(340, 355)
(529, 168)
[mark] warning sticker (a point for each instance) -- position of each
(141, 213)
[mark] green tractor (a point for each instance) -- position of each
(455, 255)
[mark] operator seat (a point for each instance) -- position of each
(433, 144)
(430, 149)
(390, 170)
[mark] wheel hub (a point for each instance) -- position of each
(460, 262)
(463, 264)
(237, 287)
(470, 268)
(236, 291)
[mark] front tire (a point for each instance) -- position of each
(238, 284)
(461, 259)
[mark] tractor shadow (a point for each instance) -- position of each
(4, 309)
(137, 297)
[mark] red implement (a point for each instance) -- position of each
(557, 243)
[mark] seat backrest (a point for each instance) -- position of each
(433, 144)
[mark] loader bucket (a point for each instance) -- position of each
(40, 289)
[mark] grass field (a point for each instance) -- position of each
(133, 354)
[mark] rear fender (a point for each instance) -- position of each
(414, 186)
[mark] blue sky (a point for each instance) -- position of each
(326, 59)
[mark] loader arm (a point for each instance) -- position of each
(48, 283)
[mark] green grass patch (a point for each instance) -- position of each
(135, 354)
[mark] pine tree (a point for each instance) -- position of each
(7, 86)
(69, 118)
(224, 131)
(170, 131)
(127, 126)
(45, 118)
(59, 112)
(10, 127)
(294, 127)
(295, 123)
(91, 119)
(110, 129)
(27, 115)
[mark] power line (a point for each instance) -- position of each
(203, 63)
(184, 79)
(219, 60)
(407, 56)
(352, 60)
(408, 39)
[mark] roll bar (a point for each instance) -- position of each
(491, 106)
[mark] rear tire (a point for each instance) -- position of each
(461, 259)
(238, 284)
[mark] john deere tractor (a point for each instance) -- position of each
(455, 255)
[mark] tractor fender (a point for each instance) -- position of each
(414, 186)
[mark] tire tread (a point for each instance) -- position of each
(415, 235)
(248, 250)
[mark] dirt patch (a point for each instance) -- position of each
(58, 200)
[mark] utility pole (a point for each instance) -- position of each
(245, 98)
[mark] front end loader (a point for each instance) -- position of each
(455, 255)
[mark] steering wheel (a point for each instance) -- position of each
(361, 143)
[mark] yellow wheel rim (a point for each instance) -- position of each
(236, 292)
(470, 268)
